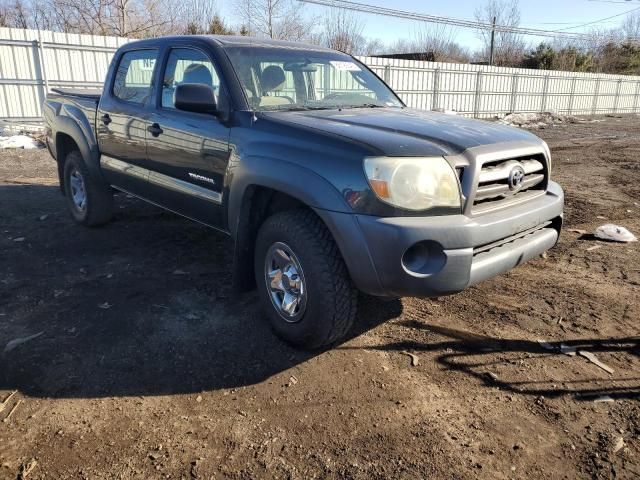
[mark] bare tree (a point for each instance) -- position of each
(143, 18)
(433, 42)
(197, 15)
(438, 41)
(374, 46)
(631, 27)
(278, 19)
(509, 47)
(343, 31)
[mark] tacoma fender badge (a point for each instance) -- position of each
(195, 176)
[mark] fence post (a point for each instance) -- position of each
(572, 94)
(635, 98)
(387, 74)
(476, 100)
(615, 101)
(595, 97)
(514, 92)
(42, 65)
(545, 93)
(326, 79)
(436, 88)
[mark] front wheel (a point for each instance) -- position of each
(303, 282)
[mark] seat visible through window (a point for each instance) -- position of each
(273, 80)
(187, 65)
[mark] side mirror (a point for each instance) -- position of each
(195, 97)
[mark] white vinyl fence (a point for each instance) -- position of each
(483, 91)
(32, 62)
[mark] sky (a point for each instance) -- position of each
(541, 14)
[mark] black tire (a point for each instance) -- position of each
(98, 207)
(331, 298)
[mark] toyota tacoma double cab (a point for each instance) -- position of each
(326, 182)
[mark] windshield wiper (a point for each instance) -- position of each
(364, 105)
(302, 108)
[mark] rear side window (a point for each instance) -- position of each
(134, 75)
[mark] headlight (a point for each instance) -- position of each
(414, 183)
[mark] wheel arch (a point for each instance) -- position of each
(260, 202)
(74, 132)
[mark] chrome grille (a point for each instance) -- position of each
(504, 181)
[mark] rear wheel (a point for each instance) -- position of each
(303, 282)
(90, 203)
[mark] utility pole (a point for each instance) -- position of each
(493, 41)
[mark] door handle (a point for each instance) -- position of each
(154, 129)
(106, 119)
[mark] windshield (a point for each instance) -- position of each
(295, 79)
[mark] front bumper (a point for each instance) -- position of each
(453, 252)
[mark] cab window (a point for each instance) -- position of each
(134, 76)
(186, 65)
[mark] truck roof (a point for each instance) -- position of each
(235, 41)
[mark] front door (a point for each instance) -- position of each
(188, 152)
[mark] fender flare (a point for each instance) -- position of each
(289, 178)
(74, 123)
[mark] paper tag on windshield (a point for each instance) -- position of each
(345, 66)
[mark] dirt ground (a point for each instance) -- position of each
(146, 366)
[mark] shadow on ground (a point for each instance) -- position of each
(142, 306)
(478, 356)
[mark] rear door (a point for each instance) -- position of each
(122, 119)
(188, 152)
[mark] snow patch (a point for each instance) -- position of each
(536, 121)
(19, 141)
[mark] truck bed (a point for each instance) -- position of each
(79, 105)
(92, 94)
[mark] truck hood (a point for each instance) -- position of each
(404, 132)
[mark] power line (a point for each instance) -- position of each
(423, 17)
(611, 1)
(602, 19)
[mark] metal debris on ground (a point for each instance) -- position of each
(546, 345)
(4, 403)
(602, 399)
(15, 407)
(415, 361)
(619, 445)
(19, 341)
(595, 247)
(27, 468)
(292, 381)
(614, 233)
(492, 376)
(593, 359)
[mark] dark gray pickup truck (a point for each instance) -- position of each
(325, 181)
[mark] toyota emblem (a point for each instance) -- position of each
(516, 178)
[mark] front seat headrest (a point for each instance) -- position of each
(197, 73)
(272, 79)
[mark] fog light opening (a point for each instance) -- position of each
(423, 259)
